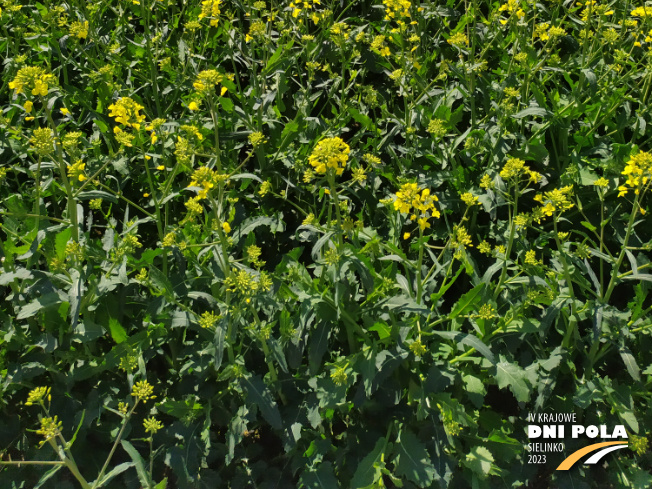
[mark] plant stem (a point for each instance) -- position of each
(621, 256)
(115, 445)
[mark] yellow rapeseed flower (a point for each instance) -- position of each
(126, 111)
(330, 154)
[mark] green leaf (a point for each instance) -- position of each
(588, 225)
(162, 485)
(259, 395)
(162, 282)
(115, 471)
(60, 242)
(467, 301)
(39, 303)
(469, 340)
(143, 476)
(369, 468)
(45, 477)
(322, 478)
(630, 363)
(218, 341)
(20, 274)
(382, 329)
(479, 460)
(512, 375)
(118, 333)
(532, 111)
(413, 461)
(475, 390)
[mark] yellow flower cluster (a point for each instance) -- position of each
(458, 40)
(206, 179)
(593, 9)
(512, 7)
(515, 169)
(642, 12)
(557, 200)
(544, 32)
(299, 6)
(531, 258)
(469, 199)
(32, 78)
(638, 171)
(43, 141)
(76, 170)
(207, 80)
(397, 9)
(50, 427)
(461, 237)
(152, 425)
(418, 201)
(378, 46)
(143, 390)
(330, 154)
(79, 29)
(339, 375)
(37, 395)
(418, 348)
(257, 30)
(126, 111)
(437, 128)
(246, 284)
(208, 320)
(211, 9)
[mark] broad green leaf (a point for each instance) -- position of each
(532, 112)
(322, 478)
(259, 395)
(119, 469)
(467, 301)
(218, 341)
(413, 461)
(20, 274)
(139, 463)
(369, 468)
(118, 333)
(513, 376)
(479, 460)
(382, 329)
(162, 485)
(45, 477)
(469, 340)
(630, 363)
(39, 303)
(475, 390)
(60, 242)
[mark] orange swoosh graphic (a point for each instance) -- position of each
(575, 456)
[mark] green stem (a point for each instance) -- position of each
(115, 445)
(72, 204)
(420, 278)
(621, 256)
(72, 467)
(336, 199)
(510, 243)
(211, 104)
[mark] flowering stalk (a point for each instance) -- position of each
(157, 207)
(72, 204)
(510, 242)
(216, 133)
(621, 256)
(97, 484)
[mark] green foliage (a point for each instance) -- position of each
(304, 244)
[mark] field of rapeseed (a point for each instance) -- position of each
(322, 244)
